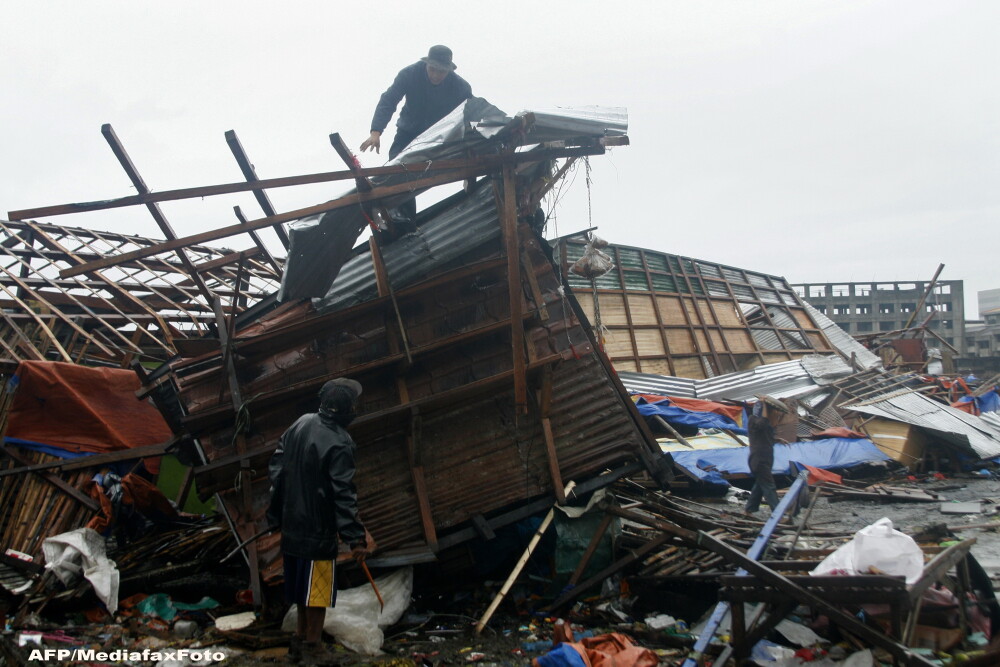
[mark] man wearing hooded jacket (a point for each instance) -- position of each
(314, 502)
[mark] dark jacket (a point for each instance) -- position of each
(761, 458)
(425, 104)
(313, 498)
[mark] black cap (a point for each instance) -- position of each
(327, 389)
(440, 56)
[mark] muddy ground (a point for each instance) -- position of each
(432, 634)
(451, 640)
(911, 517)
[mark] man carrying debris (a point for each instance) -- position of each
(313, 501)
(761, 460)
(432, 90)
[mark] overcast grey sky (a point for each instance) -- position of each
(821, 141)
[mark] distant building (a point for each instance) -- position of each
(989, 300)
(867, 308)
(982, 339)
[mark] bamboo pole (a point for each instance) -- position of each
(520, 563)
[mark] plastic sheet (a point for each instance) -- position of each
(878, 548)
(356, 621)
(706, 464)
(81, 553)
(594, 263)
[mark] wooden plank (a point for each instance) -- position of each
(93, 460)
(419, 481)
(508, 217)
(154, 209)
(591, 548)
(469, 169)
(250, 174)
(553, 459)
(55, 480)
(536, 292)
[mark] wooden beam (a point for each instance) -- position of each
(56, 481)
(553, 459)
(378, 260)
(464, 169)
(281, 182)
(261, 248)
(94, 460)
(419, 482)
(508, 217)
(250, 174)
(245, 479)
(782, 583)
(923, 299)
(154, 209)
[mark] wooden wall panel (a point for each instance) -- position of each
(803, 318)
(679, 341)
(612, 309)
(641, 307)
(618, 343)
(739, 340)
(656, 367)
(670, 310)
(649, 341)
(725, 310)
(689, 367)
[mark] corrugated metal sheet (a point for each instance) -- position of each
(466, 224)
(843, 341)
(320, 245)
(663, 385)
(781, 380)
(955, 426)
(473, 452)
(825, 369)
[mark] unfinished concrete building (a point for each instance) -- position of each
(882, 307)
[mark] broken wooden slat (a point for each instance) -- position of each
(250, 174)
(154, 209)
(470, 169)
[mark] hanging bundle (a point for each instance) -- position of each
(594, 262)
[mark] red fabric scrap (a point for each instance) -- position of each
(817, 475)
(734, 412)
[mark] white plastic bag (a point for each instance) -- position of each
(877, 548)
(356, 621)
(79, 553)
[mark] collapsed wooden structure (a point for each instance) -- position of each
(483, 390)
(486, 389)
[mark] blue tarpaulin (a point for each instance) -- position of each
(988, 402)
(675, 416)
(709, 464)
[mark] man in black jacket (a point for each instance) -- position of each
(432, 90)
(761, 460)
(314, 501)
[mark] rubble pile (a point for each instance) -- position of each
(552, 441)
